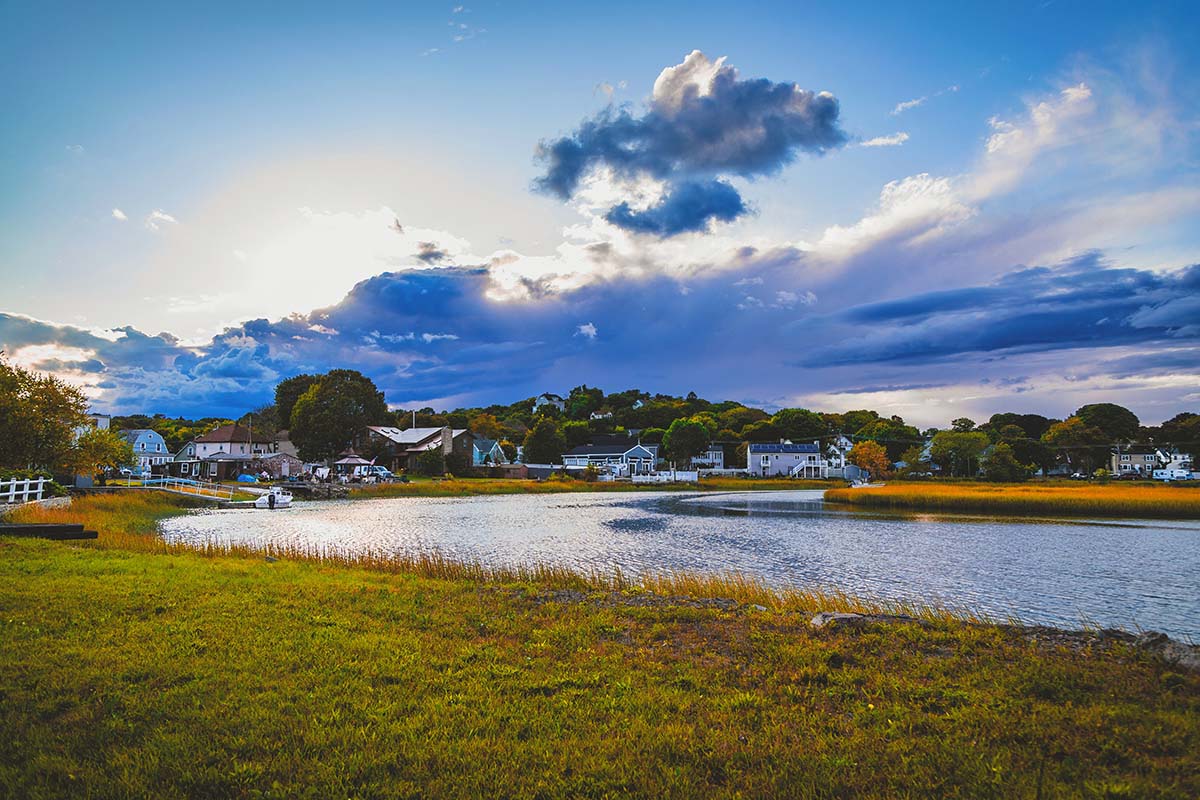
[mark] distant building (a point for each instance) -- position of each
(1137, 459)
(149, 448)
(712, 458)
(549, 399)
(786, 460)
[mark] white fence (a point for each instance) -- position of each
(668, 476)
(22, 490)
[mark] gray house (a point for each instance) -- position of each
(786, 460)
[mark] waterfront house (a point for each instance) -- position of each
(1135, 459)
(786, 459)
(487, 451)
(404, 446)
(620, 458)
(713, 457)
(149, 448)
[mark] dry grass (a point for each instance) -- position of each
(1103, 500)
(471, 487)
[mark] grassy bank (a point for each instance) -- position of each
(1104, 500)
(470, 487)
(151, 674)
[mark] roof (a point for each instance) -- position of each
(485, 445)
(550, 396)
(1136, 450)
(225, 434)
(136, 433)
(405, 435)
(611, 449)
(757, 447)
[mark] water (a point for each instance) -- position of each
(1126, 573)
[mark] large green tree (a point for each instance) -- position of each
(1115, 422)
(893, 434)
(334, 412)
(958, 452)
(287, 392)
(544, 444)
(1081, 445)
(1001, 464)
(685, 439)
(799, 424)
(40, 417)
(96, 450)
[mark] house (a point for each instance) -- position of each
(621, 458)
(404, 446)
(1134, 459)
(597, 415)
(1175, 459)
(234, 440)
(549, 399)
(786, 460)
(283, 444)
(487, 451)
(149, 448)
(712, 458)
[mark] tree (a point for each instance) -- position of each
(1002, 465)
(576, 433)
(97, 450)
(263, 421)
(958, 452)
(870, 457)
(288, 391)
(799, 423)
(334, 412)
(685, 439)
(510, 450)
(653, 435)
(39, 418)
(1115, 422)
(962, 424)
(544, 444)
(1181, 430)
(893, 434)
(431, 462)
(486, 426)
(582, 401)
(1082, 445)
(915, 461)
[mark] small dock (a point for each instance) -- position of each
(57, 532)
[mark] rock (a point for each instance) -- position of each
(270, 559)
(757, 607)
(834, 619)
(1169, 650)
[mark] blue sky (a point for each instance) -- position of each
(197, 203)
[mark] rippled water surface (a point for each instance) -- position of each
(1127, 573)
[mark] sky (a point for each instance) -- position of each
(936, 210)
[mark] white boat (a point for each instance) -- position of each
(276, 498)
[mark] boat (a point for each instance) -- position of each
(275, 498)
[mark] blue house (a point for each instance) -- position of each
(786, 460)
(149, 448)
(488, 451)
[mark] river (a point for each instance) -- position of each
(1126, 573)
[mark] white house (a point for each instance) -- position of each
(786, 460)
(712, 458)
(149, 448)
(549, 399)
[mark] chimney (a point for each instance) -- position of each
(447, 441)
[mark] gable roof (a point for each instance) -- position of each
(756, 447)
(485, 445)
(407, 436)
(133, 434)
(610, 450)
(225, 434)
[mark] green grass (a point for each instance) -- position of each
(469, 487)
(130, 669)
(1095, 500)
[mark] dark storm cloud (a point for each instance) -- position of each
(430, 253)
(1078, 304)
(688, 207)
(745, 128)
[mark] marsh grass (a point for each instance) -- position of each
(1104, 500)
(470, 487)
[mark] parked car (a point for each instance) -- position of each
(380, 473)
(125, 472)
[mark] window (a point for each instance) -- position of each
(183, 469)
(158, 447)
(1124, 457)
(143, 445)
(766, 461)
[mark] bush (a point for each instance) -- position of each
(431, 462)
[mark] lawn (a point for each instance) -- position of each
(1100, 500)
(130, 669)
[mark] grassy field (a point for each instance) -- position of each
(468, 487)
(1101, 500)
(130, 668)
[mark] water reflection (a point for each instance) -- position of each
(1127, 573)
